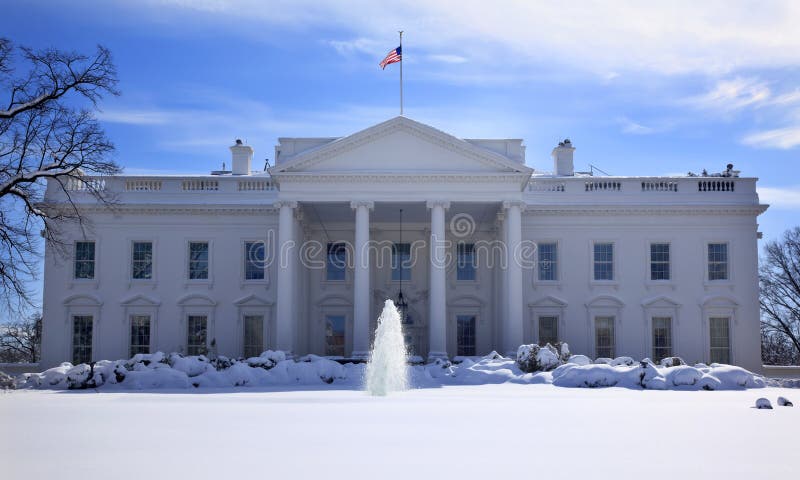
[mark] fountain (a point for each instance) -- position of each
(387, 370)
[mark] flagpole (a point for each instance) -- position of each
(401, 73)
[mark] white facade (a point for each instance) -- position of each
(642, 267)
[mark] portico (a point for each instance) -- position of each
(359, 184)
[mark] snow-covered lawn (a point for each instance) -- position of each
(483, 432)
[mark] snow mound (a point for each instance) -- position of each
(649, 376)
(174, 371)
(763, 404)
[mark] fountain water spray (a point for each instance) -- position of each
(387, 370)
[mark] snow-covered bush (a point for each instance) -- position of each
(763, 403)
(672, 362)
(533, 358)
(6, 382)
(579, 360)
(267, 359)
(620, 361)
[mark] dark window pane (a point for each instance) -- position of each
(198, 260)
(548, 261)
(465, 266)
(140, 334)
(253, 335)
(604, 261)
(659, 261)
(84, 260)
(548, 330)
(662, 338)
(82, 339)
(465, 335)
(401, 261)
(254, 261)
(604, 337)
(197, 331)
(142, 266)
(336, 262)
(334, 335)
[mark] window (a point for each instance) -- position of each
(336, 262)
(254, 262)
(548, 330)
(81, 339)
(253, 335)
(548, 261)
(334, 335)
(465, 268)
(198, 260)
(720, 339)
(142, 261)
(84, 260)
(662, 338)
(465, 335)
(140, 334)
(604, 261)
(717, 261)
(401, 261)
(604, 337)
(196, 340)
(659, 261)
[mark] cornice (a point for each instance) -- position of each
(396, 177)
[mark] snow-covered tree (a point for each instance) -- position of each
(47, 132)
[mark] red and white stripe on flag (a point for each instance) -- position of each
(393, 56)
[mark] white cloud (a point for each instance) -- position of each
(445, 58)
(778, 197)
(633, 128)
(680, 36)
(732, 94)
(783, 138)
(136, 117)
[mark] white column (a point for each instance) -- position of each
(512, 330)
(498, 342)
(361, 286)
(286, 256)
(437, 321)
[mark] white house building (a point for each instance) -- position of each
(489, 254)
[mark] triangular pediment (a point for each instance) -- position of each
(399, 145)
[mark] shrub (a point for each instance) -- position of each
(533, 358)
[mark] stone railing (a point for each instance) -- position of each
(150, 186)
(711, 189)
(142, 185)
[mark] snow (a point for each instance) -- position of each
(338, 432)
(763, 404)
(542, 365)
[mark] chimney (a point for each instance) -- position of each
(242, 155)
(562, 159)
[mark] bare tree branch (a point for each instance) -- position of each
(779, 281)
(46, 137)
(21, 341)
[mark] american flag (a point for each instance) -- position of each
(396, 55)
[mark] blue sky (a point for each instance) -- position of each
(641, 88)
